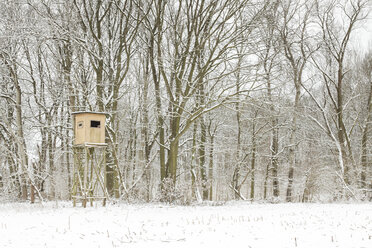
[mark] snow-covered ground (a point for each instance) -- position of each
(236, 224)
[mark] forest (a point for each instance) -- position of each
(206, 100)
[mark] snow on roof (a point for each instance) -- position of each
(89, 112)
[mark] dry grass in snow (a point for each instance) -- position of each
(235, 224)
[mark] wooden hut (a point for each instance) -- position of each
(89, 128)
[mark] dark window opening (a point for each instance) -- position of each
(80, 124)
(95, 124)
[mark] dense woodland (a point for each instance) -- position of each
(261, 100)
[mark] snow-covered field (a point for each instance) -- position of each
(235, 224)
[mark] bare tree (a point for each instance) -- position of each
(293, 25)
(367, 72)
(335, 40)
(200, 37)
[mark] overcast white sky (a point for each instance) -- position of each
(362, 38)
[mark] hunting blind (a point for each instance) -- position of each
(89, 179)
(89, 128)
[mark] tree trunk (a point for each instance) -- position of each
(292, 143)
(156, 80)
(340, 126)
(253, 159)
(210, 167)
(236, 174)
(193, 159)
(203, 169)
(274, 157)
(364, 161)
(22, 150)
(146, 147)
(66, 58)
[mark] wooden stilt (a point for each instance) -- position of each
(89, 178)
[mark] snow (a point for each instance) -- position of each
(238, 224)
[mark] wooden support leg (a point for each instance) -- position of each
(85, 183)
(32, 192)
